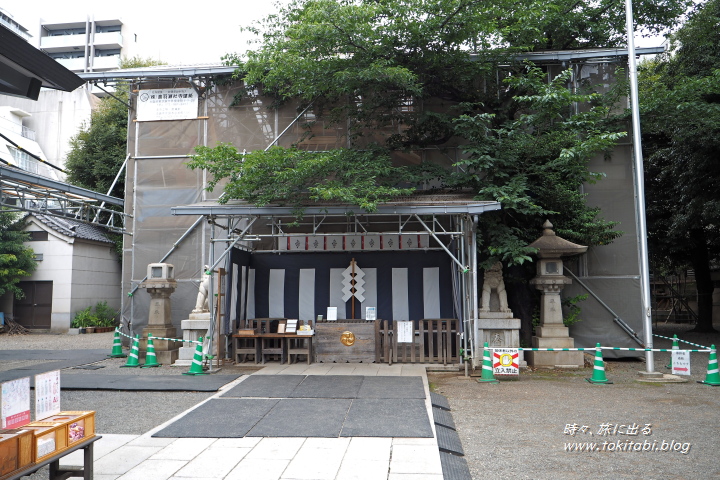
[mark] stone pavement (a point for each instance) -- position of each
(126, 457)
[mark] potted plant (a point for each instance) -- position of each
(106, 318)
(84, 319)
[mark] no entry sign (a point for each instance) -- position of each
(505, 361)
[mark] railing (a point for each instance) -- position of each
(434, 340)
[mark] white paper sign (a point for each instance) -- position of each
(405, 331)
(370, 313)
(331, 314)
(15, 401)
(680, 362)
(47, 394)
(167, 104)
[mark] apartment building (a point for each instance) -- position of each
(87, 45)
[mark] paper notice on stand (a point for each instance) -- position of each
(405, 331)
(331, 314)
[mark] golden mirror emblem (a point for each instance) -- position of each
(347, 338)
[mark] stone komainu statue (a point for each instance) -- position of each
(201, 304)
(493, 280)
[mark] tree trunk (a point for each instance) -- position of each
(522, 299)
(701, 264)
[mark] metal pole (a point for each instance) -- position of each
(475, 307)
(639, 190)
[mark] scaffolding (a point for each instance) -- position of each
(27, 192)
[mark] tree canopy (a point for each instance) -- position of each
(16, 260)
(98, 150)
(680, 103)
(359, 63)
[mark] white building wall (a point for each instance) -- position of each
(83, 273)
(95, 276)
(56, 266)
(55, 117)
(13, 119)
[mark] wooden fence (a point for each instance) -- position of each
(435, 340)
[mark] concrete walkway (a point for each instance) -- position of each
(126, 457)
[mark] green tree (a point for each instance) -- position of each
(365, 60)
(98, 150)
(16, 260)
(680, 103)
(362, 62)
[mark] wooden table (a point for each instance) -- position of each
(262, 344)
(60, 473)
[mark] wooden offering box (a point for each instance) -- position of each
(59, 432)
(16, 451)
(80, 425)
(49, 438)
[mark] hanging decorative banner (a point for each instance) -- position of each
(15, 402)
(368, 242)
(680, 362)
(505, 361)
(47, 394)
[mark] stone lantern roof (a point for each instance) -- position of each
(552, 246)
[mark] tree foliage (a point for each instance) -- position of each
(16, 260)
(361, 62)
(98, 150)
(680, 98)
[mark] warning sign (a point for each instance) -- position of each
(505, 361)
(680, 362)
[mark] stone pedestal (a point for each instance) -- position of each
(499, 329)
(160, 285)
(552, 333)
(193, 328)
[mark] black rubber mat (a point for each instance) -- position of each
(448, 440)
(157, 383)
(265, 386)
(439, 401)
(220, 418)
(274, 408)
(392, 387)
(380, 417)
(61, 360)
(443, 417)
(328, 386)
(296, 417)
(454, 467)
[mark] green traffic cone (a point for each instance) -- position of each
(675, 346)
(487, 369)
(117, 346)
(133, 359)
(196, 365)
(713, 375)
(150, 357)
(598, 375)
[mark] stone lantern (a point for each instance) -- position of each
(552, 333)
(160, 284)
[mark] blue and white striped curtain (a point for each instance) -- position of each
(401, 285)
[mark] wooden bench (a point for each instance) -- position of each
(56, 471)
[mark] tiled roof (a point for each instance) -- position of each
(73, 228)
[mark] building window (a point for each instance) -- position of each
(40, 236)
(23, 160)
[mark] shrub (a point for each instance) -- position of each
(103, 316)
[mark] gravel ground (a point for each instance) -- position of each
(516, 429)
(513, 429)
